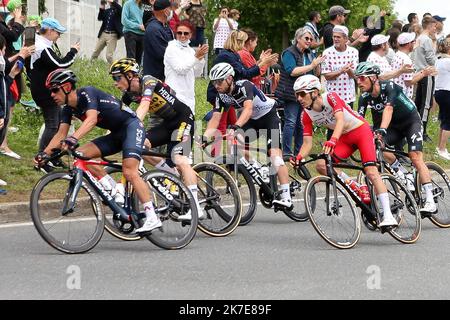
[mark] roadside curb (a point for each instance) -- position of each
(20, 211)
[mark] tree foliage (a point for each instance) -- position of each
(276, 21)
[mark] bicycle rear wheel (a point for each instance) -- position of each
(75, 232)
(171, 198)
(441, 193)
(404, 209)
(219, 196)
(337, 223)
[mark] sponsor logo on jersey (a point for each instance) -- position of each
(166, 95)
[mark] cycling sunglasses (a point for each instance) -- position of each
(117, 77)
(55, 89)
(217, 82)
(302, 93)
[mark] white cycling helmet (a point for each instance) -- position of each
(307, 83)
(221, 71)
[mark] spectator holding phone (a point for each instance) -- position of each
(43, 61)
(222, 27)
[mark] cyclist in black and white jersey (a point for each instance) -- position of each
(395, 117)
(97, 108)
(258, 112)
(176, 130)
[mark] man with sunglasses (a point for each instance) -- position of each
(350, 132)
(97, 108)
(258, 113)
(395, 117)
(176, 129)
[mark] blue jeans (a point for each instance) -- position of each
(293, 127)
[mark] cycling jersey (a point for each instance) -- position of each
(111, 113)
(405, 110)
(332, 103)
(243, 91)
(127, 131)
(163, 102)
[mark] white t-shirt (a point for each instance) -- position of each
(222, 32)
(443, 77)
(400, 60)
(380, 61)
(344, 86)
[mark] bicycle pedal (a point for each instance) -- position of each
(386, 229)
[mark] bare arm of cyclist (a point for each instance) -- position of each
(142, 110)
(88, 124)
(213, 124)
(387, 116)
(59, 136)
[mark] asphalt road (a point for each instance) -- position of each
(271, 258)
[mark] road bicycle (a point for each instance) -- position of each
(335, 218)
(67, 208)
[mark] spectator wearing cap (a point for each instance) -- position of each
(371, 28)
(13, 30)
(413, 18)
(340, 62)
(296, 61)
(157, 37)
(380, 49)
(110, 31)
(424, 56)
(312, 24)
(133, 28)
(406, 42)
(439, 28)
(43, 61)
(442, 96)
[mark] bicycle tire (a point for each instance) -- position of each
(407, 220)
(219, 221)
(295, 214)
(59, 222)
(174, 234)
(442, 217)
(350, 211)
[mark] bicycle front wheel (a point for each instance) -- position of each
(299, 212)
(171, 199)
(335, 220)
(219, 198)
(76, 231)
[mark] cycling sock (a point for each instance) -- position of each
(398, 166)
(162, 165)
(286, 194)
(428, 187)
(108, 183)
(384, 199)
(194, 190)
(149, 210)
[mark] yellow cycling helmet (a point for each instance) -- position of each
(123, 66)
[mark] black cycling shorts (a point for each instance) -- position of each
(268, 125)
(413, 132)
(177, 133)
(130, 140)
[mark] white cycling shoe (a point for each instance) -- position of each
(429, 208)
(283, 203)
(388, 221)
(188, 216)
(149, 225)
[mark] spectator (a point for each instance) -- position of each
(247, 58)
(222, 27)
(176, 9)
(43, 61)
(133, 28)
(182, 64)
(157, 37)
(417, 29)
(424, 56)
(312, 25)
(147, 5)
(413, 18)
(110, 31)
(393, 34)
(442, 96)
(371, 28)
(15, 16)
(195, 12)
(296, 61)
(397, 24)
(338, 15)
(439, 28)
(407, 81)
(234, 15)
(339, 65)
(426, 15)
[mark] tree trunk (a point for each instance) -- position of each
(285, 42)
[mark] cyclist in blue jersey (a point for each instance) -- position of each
(97, 108)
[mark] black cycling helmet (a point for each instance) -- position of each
(59, 77)
(367, 69)
(123, 66)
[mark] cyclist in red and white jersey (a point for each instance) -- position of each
(351, 132)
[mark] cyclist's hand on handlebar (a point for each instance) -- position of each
(295, 161)
(41, 158)
(328, 147)
(70, 143)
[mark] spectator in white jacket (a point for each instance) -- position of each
(182, 64)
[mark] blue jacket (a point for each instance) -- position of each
(156, 40)
(241, 72)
